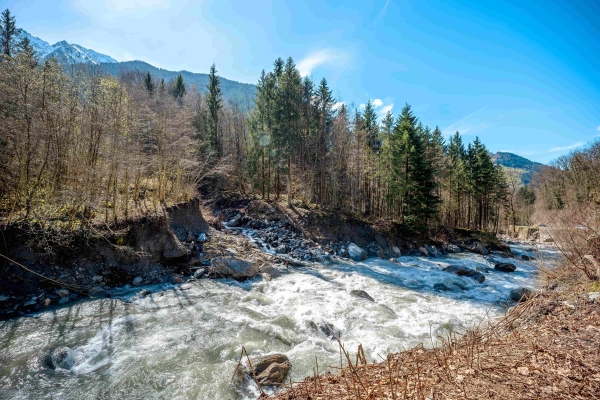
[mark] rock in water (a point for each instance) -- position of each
(356, 253)
(362, 293)
(137, 281)
(521, 294)
(464, 271)
(479, 249)
(271, 370)
(450, 248)
(525, 257)
(234, 268)
(423, 251)
(505, 267)
(59, 357)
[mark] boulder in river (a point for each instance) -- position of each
(449, 286)
(59, 357)
(356, 253)
(423, 251)
(271, 370)
(361, 293)
(526, 257)
(505, 267)
(479, 248)
(521, 294)
(464, 271)
(433, 251)
(234, 222)
(450, 248)
(137, 281)
(234, 268)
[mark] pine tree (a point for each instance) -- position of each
(179, 90)
(148, 83)
(324, 103)
(8, 32)
(214, 101)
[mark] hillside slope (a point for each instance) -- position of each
(525, 167)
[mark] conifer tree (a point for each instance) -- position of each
(148, 83)
(8, 32)
(214, 101)
(179, 89)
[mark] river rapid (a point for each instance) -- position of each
(184, 341)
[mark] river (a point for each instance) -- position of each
(184, 341)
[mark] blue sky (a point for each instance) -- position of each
(524, 76)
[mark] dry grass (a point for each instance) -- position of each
(548, 347)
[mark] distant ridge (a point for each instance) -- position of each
(66, 53)
(233, 92)
(514, 161)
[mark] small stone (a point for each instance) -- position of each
(59, 357)
(423, 251)
(63, 293)
(199, 273)
(521, 294)
(97, 279)
(396, 250)
(137, 281)
(47, 302)
(3, 298)
(63, 300)
(202, 237)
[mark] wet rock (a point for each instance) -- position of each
(482, 269)
(281, 249)
(329, 330)
(423, 251)
(479, 248)
(356, 253)
(449, 286)
(202, 237)
(505, 267)
(47, 302)
(62, 293)
(381, 254)
(464, 271)
(396, 251)
(137, 281)
(199, 273)
(59, 357)
(3, 298)
(450, 248)
(271, 370)
(64, 300)
(361, 293)
(234, 268)
(143, 293)
(525, 257)
(97, 279)
(520, 294)
(234, 222)
(433, 251)
(73, 296)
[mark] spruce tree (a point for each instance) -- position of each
(148, 83)
(179, 90)
(8, 32)
(214, 101)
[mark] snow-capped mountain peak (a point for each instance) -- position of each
(65, 52)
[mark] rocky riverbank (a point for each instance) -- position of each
(242, 240)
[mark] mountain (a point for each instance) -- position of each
(525, 167)
(71, 53)
(66, 53)
(240, 93)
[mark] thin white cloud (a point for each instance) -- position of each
(377, 103)
(598, 128)
(574, 145)
(384, 110)
(362, 106)
(381, 13)
(332, 57)
(468, 125)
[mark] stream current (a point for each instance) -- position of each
(184, 341)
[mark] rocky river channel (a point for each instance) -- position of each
(183, 341)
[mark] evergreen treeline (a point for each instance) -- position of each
(77, 143)
(398, 169)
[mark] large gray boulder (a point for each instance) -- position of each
(459, 270)
(234, 268)
(59, 357)
(450, 248)
(521, 294)
(356, 253)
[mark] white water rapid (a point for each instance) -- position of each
(183, 342)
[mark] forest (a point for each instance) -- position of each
(79, 146)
